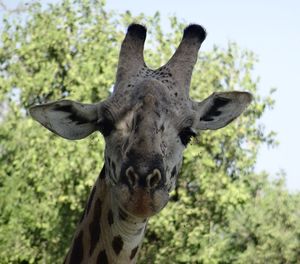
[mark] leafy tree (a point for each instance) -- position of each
(221, 212)
(266, 229)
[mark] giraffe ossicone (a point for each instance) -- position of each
(147, 123)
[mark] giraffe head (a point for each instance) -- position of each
(147, 122)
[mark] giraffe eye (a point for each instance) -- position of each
(186, 135)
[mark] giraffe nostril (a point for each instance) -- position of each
(154, 178)
(131, 176)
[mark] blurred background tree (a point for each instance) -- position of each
(222, 210)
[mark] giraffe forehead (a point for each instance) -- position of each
(135, 90)
(162, 98)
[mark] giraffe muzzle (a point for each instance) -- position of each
(141, 189)
(151, 181)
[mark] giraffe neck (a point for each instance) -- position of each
(106, 233)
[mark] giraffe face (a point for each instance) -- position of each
(145, 144)
(147, 122)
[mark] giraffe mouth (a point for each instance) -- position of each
(141, 202)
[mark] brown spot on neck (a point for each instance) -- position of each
(102, 258)
(94, 226)
(117, 244)
(133, 252)
(77, 250)
(88, 207)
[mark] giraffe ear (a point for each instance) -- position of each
(68, 119)
(219, 109)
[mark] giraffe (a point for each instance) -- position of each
(146, 123)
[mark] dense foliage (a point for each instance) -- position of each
(222, 210)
